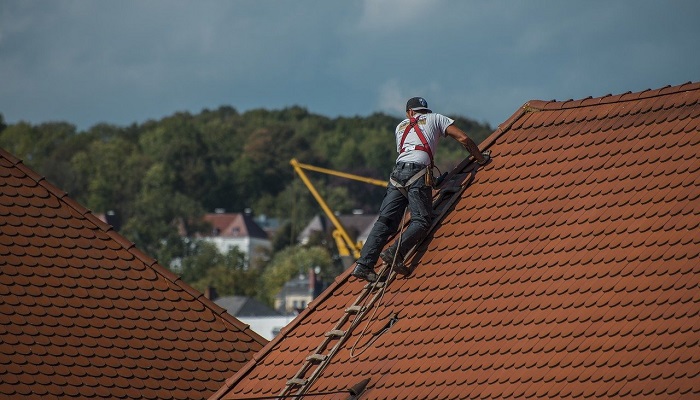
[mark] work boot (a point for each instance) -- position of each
(363, 272)
(397, 262)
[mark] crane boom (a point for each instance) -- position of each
(341, 235)
(372, 181)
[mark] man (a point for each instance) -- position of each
(416, 141)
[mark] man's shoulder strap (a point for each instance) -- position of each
(425, 147)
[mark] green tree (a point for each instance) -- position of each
(177, 144)
(228, 273)
(162, 216)
(114, 172)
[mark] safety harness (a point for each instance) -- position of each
(425, 147)
(413, 124)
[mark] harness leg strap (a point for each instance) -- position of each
(404, 188)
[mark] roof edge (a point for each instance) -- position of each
(543, 105)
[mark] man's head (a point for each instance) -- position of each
(417, 104)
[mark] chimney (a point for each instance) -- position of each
(210, 293)
(312, 280)
(315, 285)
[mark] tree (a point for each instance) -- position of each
(178, 145)
(162, 216)
(228, 273)
(113, 171)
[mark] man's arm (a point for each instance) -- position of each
(460, 136)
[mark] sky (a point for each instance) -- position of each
(129, 61)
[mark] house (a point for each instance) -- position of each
(237, 230)
(568, 267)
(355, 224)
(85, 314)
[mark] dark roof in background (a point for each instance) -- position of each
(84, 314)
(354, 224)
(242, 306)
(235, 225)
(567, 268)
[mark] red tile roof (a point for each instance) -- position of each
(234, 225)
(568, 267)
(85, 314)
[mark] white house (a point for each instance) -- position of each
(237, 230)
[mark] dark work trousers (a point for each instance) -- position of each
(391, 214)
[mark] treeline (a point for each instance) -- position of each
(161, 176)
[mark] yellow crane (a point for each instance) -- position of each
(346, 245)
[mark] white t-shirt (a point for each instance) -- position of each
(433, 127)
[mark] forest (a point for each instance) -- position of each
(161, 176)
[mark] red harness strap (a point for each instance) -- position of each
(425, 147)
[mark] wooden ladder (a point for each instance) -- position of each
(319, 359)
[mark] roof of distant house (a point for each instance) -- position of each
(354, 224)
(234, 225)
(566, 268)
(85, 314)
(242, 306)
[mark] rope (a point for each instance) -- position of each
(381, 297)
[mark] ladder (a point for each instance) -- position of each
(336, 337)
(301, 381)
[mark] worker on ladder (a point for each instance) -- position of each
(410, 184)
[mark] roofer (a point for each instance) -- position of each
(410, 184)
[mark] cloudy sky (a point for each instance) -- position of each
(126, 61)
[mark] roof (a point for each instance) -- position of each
(85, 314)
(242, 306)
(235, 225)
(566, 268)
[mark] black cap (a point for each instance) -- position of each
(417, 104)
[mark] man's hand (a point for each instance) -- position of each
(486, 154)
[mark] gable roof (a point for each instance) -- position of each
(567, 267)
(85, 314)
(354, 224)
(235, 225)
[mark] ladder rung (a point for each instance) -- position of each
(353, 309)
(296, 381)
(316, 357)
(375, 285)
(335, 332)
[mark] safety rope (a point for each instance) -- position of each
(381, 297)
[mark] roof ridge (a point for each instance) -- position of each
(544, 105)
(129, 246)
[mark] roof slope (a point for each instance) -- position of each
(566, 268)
(85, 314)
